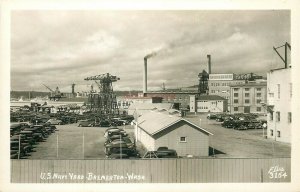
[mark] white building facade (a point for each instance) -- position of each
(279, 104)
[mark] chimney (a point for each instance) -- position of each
(209, 64)
(145, 77)
(73, 88)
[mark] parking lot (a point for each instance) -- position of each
(75, 142)
(240, 143)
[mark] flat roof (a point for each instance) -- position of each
(210, 97)
(262, 84)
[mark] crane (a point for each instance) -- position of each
(51, 91)
(55, 95)
(105, 101)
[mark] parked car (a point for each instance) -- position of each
(211, 116)
(14, 154)
(86, 123)
(119, 149)
(104, 123)
(55, 122)
(162, 152)
(112, 132)
(115, 139)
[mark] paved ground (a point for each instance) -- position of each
(225, 142)
(71, 142)
(246, 143)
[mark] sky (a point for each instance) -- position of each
(58, 48)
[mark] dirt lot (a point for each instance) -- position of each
(224, 143)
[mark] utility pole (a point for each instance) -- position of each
(19, 146)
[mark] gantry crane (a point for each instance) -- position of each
(105, 101)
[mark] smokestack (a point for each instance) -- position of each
(73, 88)
(145, 76)
(209, 64)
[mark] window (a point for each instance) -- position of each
(235, 101)
(271, 94)
(235, 89)
(289, 117)
(271, 116)
(258, 94)
(258, 109)
(278, 91)
(182, 139)
(271, 132)
(235, 94)
(278, 133)
(212, 91)
(247, 101)
(278, 116)
(235, 108)
(247, 89)
(258, 101)
(247, 94)
(258, 89)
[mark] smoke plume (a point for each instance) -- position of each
(150, 55)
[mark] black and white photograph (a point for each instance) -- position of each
(150, 96)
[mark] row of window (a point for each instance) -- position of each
(272, 133)
(202, 107)
(246, 89)
(246, 94)
(219, 91)
(278, 91)
(258, 109)
(278, 116)
(258, 101)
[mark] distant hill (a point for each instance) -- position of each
(26, 94)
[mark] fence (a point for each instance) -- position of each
(221, 170)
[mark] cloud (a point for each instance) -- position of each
(61, 47)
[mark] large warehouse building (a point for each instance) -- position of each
(160, 129)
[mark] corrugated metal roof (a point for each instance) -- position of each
(154, 122)
(210, 97)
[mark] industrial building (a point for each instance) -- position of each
(248, 97)
(279, 105)
(219, 84)
(208, 103)
(137, 109)
(160, 129)
(181, 99)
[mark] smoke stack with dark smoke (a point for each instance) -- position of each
(145, 76)
(150, 55)
(145, 71)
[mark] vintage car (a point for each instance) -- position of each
(86, 123)
(54, 122)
